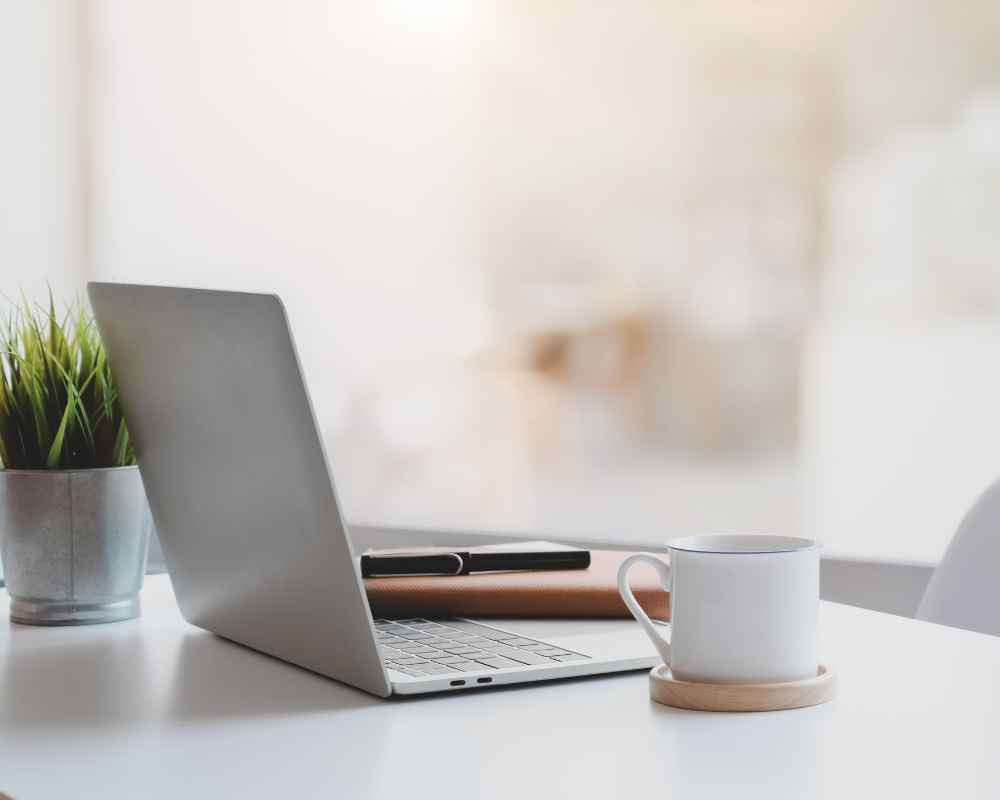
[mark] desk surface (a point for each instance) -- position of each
(155, 708)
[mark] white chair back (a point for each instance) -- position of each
(964, 591)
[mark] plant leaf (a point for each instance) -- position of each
(56, 450)
(58, 404)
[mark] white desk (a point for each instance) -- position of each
(155, 708)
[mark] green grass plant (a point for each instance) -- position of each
(58, 405)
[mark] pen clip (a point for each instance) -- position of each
(456, 556)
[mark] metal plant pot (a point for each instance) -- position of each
(73, 544)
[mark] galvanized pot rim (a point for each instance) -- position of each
(65, 471)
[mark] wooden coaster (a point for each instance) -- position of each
(664, 688)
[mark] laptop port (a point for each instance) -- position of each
(458, 683)
(484, 680)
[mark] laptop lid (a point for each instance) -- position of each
(236, 475)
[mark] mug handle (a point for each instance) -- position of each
(662, 645)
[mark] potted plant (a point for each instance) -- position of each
(74, 522)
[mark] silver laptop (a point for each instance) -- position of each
(251, 527)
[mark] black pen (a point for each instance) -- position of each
(442, 563)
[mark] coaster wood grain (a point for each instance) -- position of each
(664, 688)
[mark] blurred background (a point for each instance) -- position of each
(624, 268)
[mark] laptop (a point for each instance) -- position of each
(252, 531)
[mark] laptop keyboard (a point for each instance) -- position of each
(419, 647)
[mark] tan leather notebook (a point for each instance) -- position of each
(591, 592)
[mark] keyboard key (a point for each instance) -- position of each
(536, 646)
(411, 621)
(471, 666)
(569, 657)
(392, 628)
(437, 670)
(516, 642)
(415, 636)
(464, 651)
(391, 640)
(406, 671)
(451, 634)
(410, 662)
(488, 633)
(528, 658)
(473, 640)
(443, 659)
(551, 652)
(422, 651)
(497, 662)
(434, 642)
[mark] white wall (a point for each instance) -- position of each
(385, 166)
(239, 146)
(42, 166)
(901, 433)
(901, 430)
(325, 152)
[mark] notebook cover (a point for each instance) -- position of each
(591, 592)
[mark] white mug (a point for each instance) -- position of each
(743, 609)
